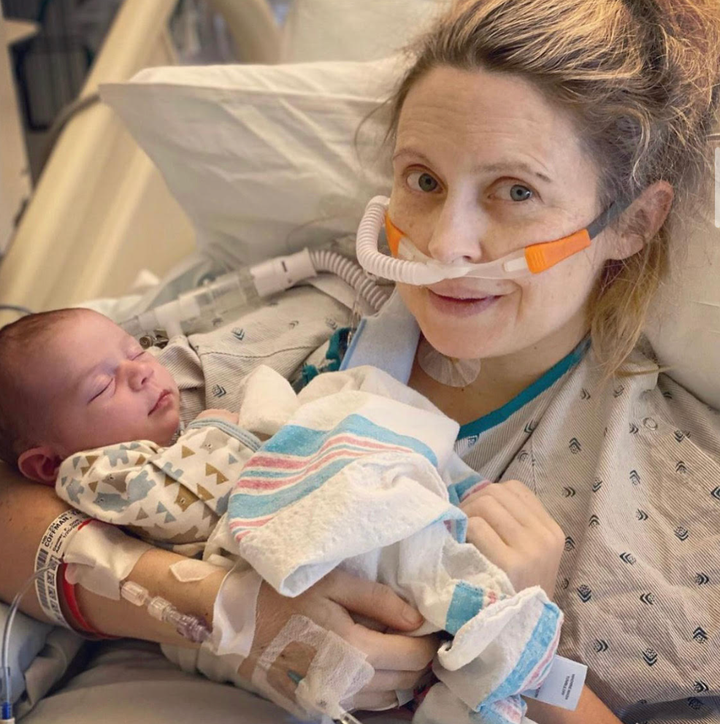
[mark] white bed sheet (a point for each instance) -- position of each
(131, 681)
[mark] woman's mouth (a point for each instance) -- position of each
(164, 399)
(461, 305)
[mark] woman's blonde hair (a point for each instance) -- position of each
(640, 78)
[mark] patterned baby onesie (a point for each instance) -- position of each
(174, 495)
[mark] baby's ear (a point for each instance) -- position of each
(40, 464)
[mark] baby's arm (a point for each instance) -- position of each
(175, 494)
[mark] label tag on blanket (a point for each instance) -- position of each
(563, 684)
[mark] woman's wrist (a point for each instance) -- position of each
(152, 571)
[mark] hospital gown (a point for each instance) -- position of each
(631, 472)
(630, 469)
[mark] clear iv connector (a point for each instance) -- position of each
(189, 627)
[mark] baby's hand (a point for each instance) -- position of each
(231, 417)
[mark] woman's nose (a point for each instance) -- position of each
(457, 235)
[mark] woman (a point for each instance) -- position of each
(520, 122)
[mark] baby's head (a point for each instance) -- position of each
(73, 380)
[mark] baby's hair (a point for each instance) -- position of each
(19, 342)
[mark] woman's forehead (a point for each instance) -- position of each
(488, 115)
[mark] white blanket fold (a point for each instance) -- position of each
(361, 474)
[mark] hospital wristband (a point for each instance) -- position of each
(49, 558)
(50, 586)
(78, 623)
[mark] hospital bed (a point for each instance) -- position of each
(101, 212)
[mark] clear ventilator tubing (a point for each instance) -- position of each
(215, 302)
(209, 305)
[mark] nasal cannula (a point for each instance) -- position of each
(409, 265)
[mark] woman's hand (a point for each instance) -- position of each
(399, 661)
(510, 526)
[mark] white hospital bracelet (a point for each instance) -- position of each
(50, 555)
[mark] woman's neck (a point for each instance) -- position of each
(500, 379)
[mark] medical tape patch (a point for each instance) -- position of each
(50, 554)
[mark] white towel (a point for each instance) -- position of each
(362, 475)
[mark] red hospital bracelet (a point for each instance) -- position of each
(79, 622)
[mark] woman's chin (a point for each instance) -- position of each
(451, 348)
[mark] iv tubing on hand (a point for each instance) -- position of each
(345, 716)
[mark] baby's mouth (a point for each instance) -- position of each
(160, 401)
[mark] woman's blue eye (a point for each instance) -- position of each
(421, 181)
(520, 193)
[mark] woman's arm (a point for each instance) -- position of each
(27, 509)
(589, 709)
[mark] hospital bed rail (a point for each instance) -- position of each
(101, 212)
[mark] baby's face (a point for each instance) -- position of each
(99, 387)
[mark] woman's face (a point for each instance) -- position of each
(484, 166)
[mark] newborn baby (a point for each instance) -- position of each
(73, 380)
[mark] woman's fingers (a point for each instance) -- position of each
(373, 600)
(482, 535)
(393, 651)
(529, 503)
(520, 503)
(501, 520)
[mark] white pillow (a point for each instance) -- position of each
(264, 159)
(257, 154)
(684, 326)
(352, 29)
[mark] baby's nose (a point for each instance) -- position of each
(139, 374)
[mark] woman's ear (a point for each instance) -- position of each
(40, 464)
(642, 220)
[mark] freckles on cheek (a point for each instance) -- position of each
(542, 297)
(563, 293)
